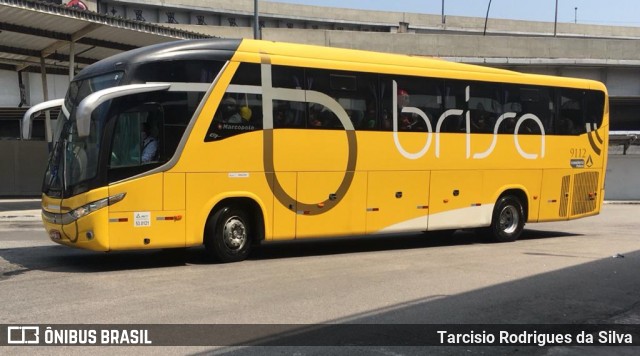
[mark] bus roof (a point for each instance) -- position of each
(280, 52)
(204, 49)
(328, 57)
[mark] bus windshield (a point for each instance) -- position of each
(129, 134)
(73, 159)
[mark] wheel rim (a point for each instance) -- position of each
(509, 219)
(234, 234)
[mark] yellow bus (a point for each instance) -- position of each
(231, 143)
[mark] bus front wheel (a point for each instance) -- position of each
(508, 219)
(228, 233)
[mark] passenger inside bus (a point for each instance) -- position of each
(481, 121)
(407, 121)
(230, 112)
(149, 144)
(370, 116)
(320, 116)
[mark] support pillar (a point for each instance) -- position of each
(45, 96)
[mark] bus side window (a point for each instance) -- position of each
(248, 105)
(571, 116)
(484, 106)
(126, 148)
(454, 98)
(355, 108)
(595, 108)
(534, 100)
(508, 125)
(179, 106)
(176, 118)
(423, 94)
(333, 84)
(238, 112)
(360, 99)
(355, 92)
(289, 113)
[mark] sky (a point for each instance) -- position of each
(601, 12)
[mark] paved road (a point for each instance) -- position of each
(557, 273)
(18, 204)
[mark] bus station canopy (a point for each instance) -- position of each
(40, 36)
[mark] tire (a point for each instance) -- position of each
(508, 220)
(228, 235)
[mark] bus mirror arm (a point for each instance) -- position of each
(92, 101)
(26, 119)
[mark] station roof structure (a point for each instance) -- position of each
(34, 34)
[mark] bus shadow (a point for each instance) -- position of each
(63, 259)
(544, 234)
(320, 247)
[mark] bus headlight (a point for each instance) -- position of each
(96, 205)
(89, 208)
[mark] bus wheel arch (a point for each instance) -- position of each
(232, 227)
(509, 216)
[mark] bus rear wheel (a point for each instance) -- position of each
(508, 219)
(228, 235)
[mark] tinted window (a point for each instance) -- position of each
(485, 106)
(423, 96)
(538, 101)
(455, 97)
(595, 108)
(356, 93)
(240, 110)
(288, 113)
(571, 119)
(148, 129)
(370, 101)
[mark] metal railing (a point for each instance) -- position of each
(625, 139)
